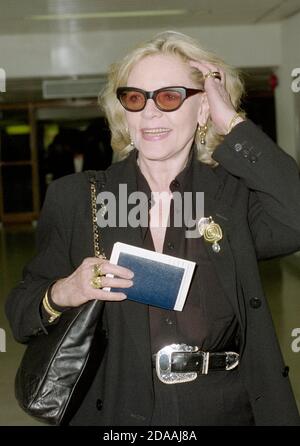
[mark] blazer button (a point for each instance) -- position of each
(255, 302)
(285, 371)
(168, 321)
(253, 158)
(99, 404)
(238, 147)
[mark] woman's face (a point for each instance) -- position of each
(160, 135)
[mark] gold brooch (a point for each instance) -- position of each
(211, 232)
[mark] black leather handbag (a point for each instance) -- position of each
(57, 368)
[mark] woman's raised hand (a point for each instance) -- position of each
(221, 109)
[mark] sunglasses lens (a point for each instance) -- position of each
(132, 100)
(169, 99)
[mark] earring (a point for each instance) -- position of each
(202, 133)
(131, 141)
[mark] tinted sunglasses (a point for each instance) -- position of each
(166, 99)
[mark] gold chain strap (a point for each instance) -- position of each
(98, 251)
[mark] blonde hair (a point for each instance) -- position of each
(167, 43)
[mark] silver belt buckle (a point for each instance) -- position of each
(236, 356)
(164, 363)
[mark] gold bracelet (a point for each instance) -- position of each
(53, 313)
(232, 121)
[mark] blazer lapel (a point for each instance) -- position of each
(212, 184)
(135, 315)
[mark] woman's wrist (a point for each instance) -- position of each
(56, 298)
(236, 119)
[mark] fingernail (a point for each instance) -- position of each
(130, 275)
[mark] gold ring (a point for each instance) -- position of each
(97, 271)
(214, 74)
(96, 282)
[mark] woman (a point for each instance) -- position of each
(172, 109)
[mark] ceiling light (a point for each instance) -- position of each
(109, 15)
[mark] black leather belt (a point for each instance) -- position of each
(181, 363)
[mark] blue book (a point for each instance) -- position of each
(159, 280)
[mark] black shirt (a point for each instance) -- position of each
(207, 319)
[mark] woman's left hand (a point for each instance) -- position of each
(221, 108)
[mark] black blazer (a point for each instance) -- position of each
(254, 194)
